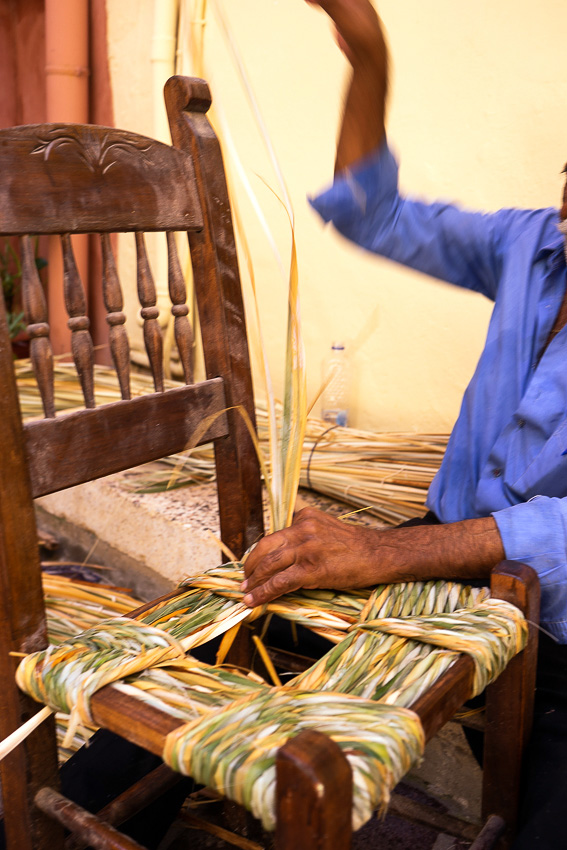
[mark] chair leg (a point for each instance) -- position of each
(509, 703)
(488, 837)
(241, 652)
(83, 824)
(22, 772)
(314, 795)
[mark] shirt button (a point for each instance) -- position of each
(521, 423)
(496, 473)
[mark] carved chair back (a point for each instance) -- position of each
(68, 179)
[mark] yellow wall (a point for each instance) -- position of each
(478, 115)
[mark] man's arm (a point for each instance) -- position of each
(364, 203)
(361, 38)
(319, 551)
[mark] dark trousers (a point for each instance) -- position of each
(544, 794)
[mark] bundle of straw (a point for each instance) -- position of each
(68, 393)
(388, 474)
(71, 606)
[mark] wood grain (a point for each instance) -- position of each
(71, 178)
(121, 435)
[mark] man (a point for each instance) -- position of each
(502, 489)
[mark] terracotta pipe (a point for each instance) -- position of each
(67, 100)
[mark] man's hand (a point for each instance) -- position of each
(357, 25)
(317, 551)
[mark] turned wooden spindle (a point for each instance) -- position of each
(148, 299)
(79, 323)
(179, 309)
(35, 312)
(114, 303)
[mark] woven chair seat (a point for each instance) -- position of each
(388, 646)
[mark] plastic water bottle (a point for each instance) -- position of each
(334, 398)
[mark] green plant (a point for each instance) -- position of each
(11, 278)
(15, 323)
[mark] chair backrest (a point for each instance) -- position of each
(68, 179)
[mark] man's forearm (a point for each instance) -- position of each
(363, 122)
(459, 550)
(362, 129)
(361, 38)
(320, 551)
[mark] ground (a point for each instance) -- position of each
(392, 833)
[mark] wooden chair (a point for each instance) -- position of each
(66, 179)
(59, 179)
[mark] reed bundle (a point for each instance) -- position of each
(388, 474)
(71, 606)
(68, 393)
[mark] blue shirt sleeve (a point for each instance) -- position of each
(535, 532)
(512, 257)
(439, 239)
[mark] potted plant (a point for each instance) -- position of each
(11, 279)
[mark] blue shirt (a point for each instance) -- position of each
(507, 455)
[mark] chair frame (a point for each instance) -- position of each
(313, 805)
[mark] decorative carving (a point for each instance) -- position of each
(96, 151)
(179, 309)
(76, 304)
(114, 302)
(149, 312)
(35, 311)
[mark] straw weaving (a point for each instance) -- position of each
(71, 606)
(388, 646)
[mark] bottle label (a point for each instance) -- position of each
(335, 416)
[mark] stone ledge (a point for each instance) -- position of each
(149, 540)
(171, 534)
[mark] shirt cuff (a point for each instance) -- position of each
(359, 190)
(535, 532)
